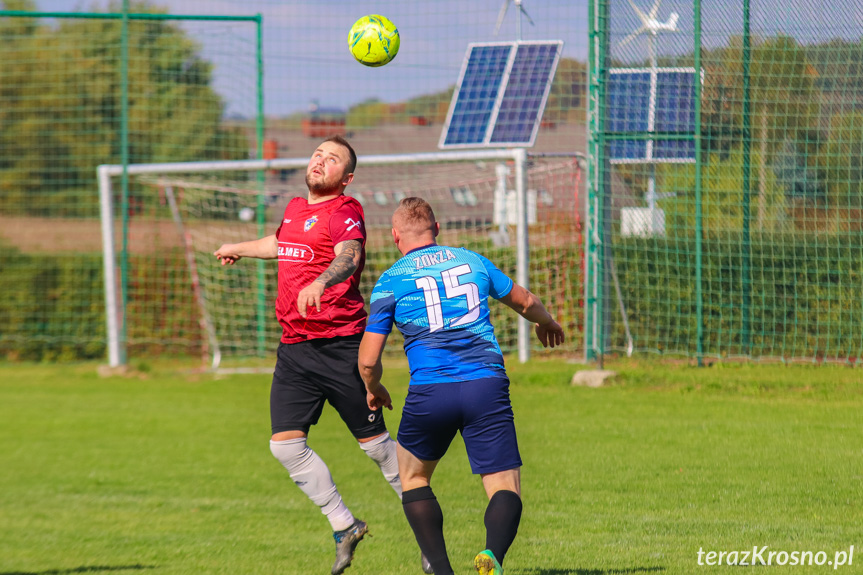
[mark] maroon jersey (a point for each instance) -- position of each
(307, 238)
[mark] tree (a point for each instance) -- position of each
(793, 172)
(433, 107)
(15, 72)
(568, 94)
(783, 97)
(840, 71)
(842, 160)
(783, 89)
(368, 113)
(61, 103)
(722, 203)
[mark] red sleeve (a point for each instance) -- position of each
(347, 223)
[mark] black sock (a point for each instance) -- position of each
(501, 522)
(426, 519)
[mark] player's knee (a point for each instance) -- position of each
(293, 454)
(290, 434)
(509, 480)
(307, 470)
(379, 448)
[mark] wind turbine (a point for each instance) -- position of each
(651, 26)
(521, 11)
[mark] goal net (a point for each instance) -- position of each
(181, 300)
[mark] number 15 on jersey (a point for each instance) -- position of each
(453, 289)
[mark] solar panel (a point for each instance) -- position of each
(644, 101)
(501, 94)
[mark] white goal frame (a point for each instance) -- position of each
(113, 303)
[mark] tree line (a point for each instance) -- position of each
(805, 119)
(60, 105)
(803, 139)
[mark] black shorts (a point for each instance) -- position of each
(311, 372)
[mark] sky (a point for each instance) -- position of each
(306, 54)
(306, 58)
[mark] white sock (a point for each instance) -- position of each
(312, 475)
(383, 451)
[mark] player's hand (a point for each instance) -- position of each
(227, 254)
(550, 334)
(380, 398)
(310, 296)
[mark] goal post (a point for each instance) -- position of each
(477, 195)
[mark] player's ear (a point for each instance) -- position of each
(436, 228)
(395, 236)
(347, 179)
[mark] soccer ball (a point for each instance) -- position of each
(373, 40)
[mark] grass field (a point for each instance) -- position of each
(169, 472)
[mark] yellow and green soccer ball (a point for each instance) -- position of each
(374, 40)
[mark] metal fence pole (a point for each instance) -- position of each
(522, 255)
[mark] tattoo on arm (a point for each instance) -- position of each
(343, 265)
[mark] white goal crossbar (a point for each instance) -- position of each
(113, 304)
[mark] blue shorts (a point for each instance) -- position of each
(479, 409)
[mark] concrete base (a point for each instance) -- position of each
(592, 377)
(108, 371)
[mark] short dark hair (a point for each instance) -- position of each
(352, 155)
(415, 215)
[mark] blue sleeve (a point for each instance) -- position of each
(382, 307)
(499, 283)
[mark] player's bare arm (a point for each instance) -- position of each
(348, 254)
(530, 307)
(371, 370)
(266, 248)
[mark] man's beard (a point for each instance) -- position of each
(320, 187)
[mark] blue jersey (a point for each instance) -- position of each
(438, 298)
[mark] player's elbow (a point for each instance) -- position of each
(522, 300)
(369, 357)
(365, 368)
(533, 303)
(368, 366)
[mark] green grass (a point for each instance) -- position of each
(169, 472)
